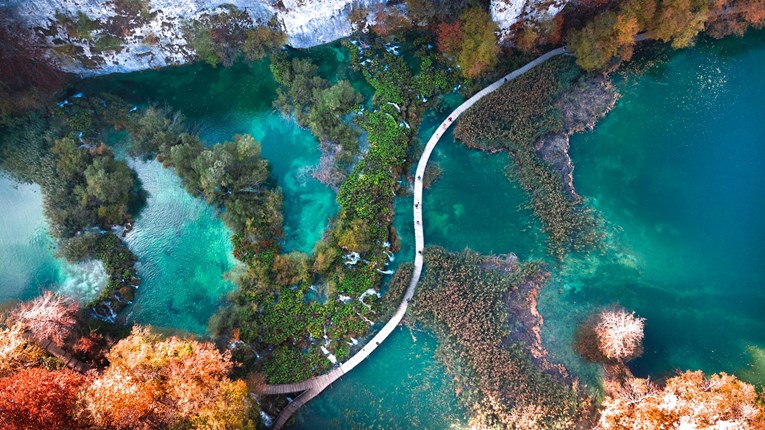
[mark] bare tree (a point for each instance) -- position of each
(49, 316)
(620, 334)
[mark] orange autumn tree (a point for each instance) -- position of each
(479, 50)
(36, 398)
(687, 401)
(159, 383)
(15, 352)
(679, 21)
(610, 34)
(734, 17)
(449, 37)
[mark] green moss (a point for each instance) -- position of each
(199, 38)
(81, 26)
(108, 43)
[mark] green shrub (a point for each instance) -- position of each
(108, 43)
(82, 26)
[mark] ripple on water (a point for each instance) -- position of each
(27, 263)
(184, 252)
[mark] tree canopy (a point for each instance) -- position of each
(166, 382)
(479, 50)
(37, 398)
(689, 400)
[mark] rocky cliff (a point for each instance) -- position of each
(90, 37)
(507, 13)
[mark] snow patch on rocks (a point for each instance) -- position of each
(157, 40)
(507, 13)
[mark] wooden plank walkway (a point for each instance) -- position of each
(53, 349)
(311, 388)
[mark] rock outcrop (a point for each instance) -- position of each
(141, 34)
(507, 13)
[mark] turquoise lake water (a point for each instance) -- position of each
(677, 171)
(26, 249)
(184, 254)
(473, 204)
(28, 264)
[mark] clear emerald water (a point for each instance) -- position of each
(473, 204)
(28, 264)
(184, 254)
(678, 171)
(403, 386)
(26, 248)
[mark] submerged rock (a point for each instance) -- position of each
(582, 106)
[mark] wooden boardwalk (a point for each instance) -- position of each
(53, 349)
(310, 388)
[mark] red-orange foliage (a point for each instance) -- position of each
(388, 21)
(160, 383)
(36, 398)
(92, 347)
(554, 30)
(449, 37)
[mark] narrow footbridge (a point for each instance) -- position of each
(53, 349)
(310, 388)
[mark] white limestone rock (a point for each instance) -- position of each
(306, 23)
(506, 13)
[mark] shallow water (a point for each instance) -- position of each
(184, 253)
(27, 263)
(473, 204)
(401, 387)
